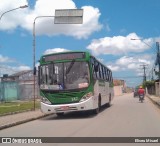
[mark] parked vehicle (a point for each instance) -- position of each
(135, 92)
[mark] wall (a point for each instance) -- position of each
(8, 91)
(118, 90)
(157, 88)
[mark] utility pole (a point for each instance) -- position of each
(158, 63)
(152, 78)
(158, 59)
(144, 70)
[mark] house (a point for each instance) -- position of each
(119, 87)
(18, 86)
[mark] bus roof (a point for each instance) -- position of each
(66, 52)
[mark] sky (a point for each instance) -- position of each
(107, 29)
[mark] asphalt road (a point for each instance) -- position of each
(127, 117)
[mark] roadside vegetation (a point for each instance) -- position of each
(20, 106)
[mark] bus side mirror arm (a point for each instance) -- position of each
(34, 71)
(39, 75)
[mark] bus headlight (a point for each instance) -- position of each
(45, 100)
(86, 96)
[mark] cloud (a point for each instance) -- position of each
(113, 68)
(123, 30)
(12, 69)
(132, 63)
(107, 27)
(10, 66)
(4, 59)
(55, 50)
(45, 26)
(119, 45)
(21, 68)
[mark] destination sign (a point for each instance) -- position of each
(65, 56)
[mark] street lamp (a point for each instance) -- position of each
(62, 16)
(21, 7)
(144, 78)
(142, 41)
(34, 56)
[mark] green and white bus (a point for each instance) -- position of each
(74, 81)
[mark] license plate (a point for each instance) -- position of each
(64, 107)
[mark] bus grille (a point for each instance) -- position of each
(68, 109)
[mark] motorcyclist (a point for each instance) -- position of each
(141, 91)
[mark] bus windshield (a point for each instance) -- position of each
(64, 76)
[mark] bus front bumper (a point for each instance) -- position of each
(80, 106)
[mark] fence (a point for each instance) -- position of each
(12, 91)
(151, 90)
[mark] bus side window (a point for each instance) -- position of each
(103, 73)
(93, 66)
(111, 78)
(107, 75)
(93, 71)
(97, 71)
(100, 71)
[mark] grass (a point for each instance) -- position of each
(11, 107)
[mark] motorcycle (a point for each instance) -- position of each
(141, 97)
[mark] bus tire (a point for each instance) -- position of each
(60, 114)
(96, 111)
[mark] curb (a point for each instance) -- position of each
(23, 121)
(154, 102)
(17, 112)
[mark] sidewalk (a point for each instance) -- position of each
(154, 99)
(19, 118)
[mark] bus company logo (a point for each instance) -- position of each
(6, 140)
(74, 98)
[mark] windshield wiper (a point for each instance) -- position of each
(70, 66)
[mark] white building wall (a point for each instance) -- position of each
(118, 90)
